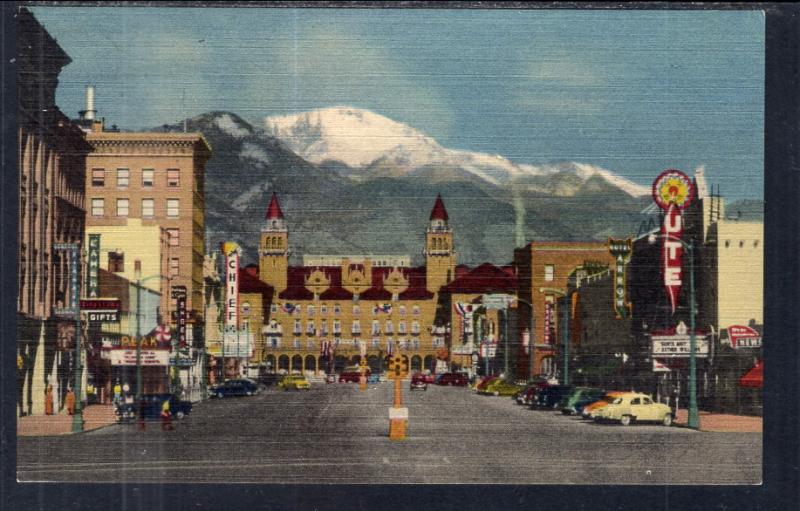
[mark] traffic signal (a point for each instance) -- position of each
(403, 365)
(390, 363)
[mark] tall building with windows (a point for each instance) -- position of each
(52, 154)
(142, 182)
(353, 305)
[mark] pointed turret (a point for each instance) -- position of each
(274, 209)
(439, 212)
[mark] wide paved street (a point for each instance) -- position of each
(338, 434)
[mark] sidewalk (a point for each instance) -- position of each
(718, 422)
(94, 416)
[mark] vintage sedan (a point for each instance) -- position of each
(591, 410)
(635, 407)
(294, 382)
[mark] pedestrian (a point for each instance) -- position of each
(48, 400)
(70, 401)
(166, 417)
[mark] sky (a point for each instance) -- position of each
(635, 92)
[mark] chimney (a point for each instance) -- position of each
(88, 114)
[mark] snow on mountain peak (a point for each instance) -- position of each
(366, 141)
(230, 126)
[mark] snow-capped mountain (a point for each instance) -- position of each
(367, 145)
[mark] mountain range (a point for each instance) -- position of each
(351, 181)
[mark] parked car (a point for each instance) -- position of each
(527, 394)
(352, 375)
(418, 382)
(482, 383)
(238, 387)
(426, 376)
(550, 396)
(268, 379)
(452, 379)
(294, 382)
(500, 387)
(331, 378)
(152, 403)
(635, 407)
(590, 410)
(579, 396)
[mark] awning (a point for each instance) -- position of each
(754, 377)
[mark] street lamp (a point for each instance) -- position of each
(694, 419)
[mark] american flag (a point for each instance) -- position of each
(325, 348)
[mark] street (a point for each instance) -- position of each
(337, 434)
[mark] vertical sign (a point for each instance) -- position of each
(672, 192)
(621, 251)
(548, 319)
(231, 251)
(181, 308)
(74, 256)
(92, 284)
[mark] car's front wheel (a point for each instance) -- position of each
(625, 420)
(667, 420)
(249, 393)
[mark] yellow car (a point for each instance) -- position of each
(500, 387)
(635, 407)
(294, 382)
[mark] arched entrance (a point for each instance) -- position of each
(374, 363)
(416, 363)
(297, 364)
(270, 363)
(548, 366)
(430, 363)
(283, 363)
(311, 363)
(339, 363)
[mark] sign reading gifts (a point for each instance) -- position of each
(672, 192)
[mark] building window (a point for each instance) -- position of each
(297, 328)
(549, 272)
(376, 327)
(356, 328)
(376, 343)
(173, 237)
(122, 207)
(172, 208)
(246, 309)
(389, 328)
(297, 344)
(310, 330)
(147, 178)
(98, 177)
(401, 327)
(148, 208)
(356, 310)
(755, 244)
(323, 310)
(727, 243)
(174, 265)
(273, 308)
(415, 310)
(173, 178)
(310, 345)
(123, 177)
(415, 327)
(337, 309)
(310, 310)
(402, 310)
(337, 327)
(324, 327)
(116, 262)
(98, 207)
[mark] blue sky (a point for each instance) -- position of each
(632, 91)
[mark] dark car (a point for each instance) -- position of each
(240, 387)
(269, 379)
(152, 404)
(550, 396)
(419, 382)
(454, 379)
(352, 376)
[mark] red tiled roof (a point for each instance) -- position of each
(274, 209)
(296, 285)
(486, 278)
(250, 283)
(439, 212)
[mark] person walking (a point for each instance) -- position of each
(70, 401)
(48, 400)
(166, 417)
